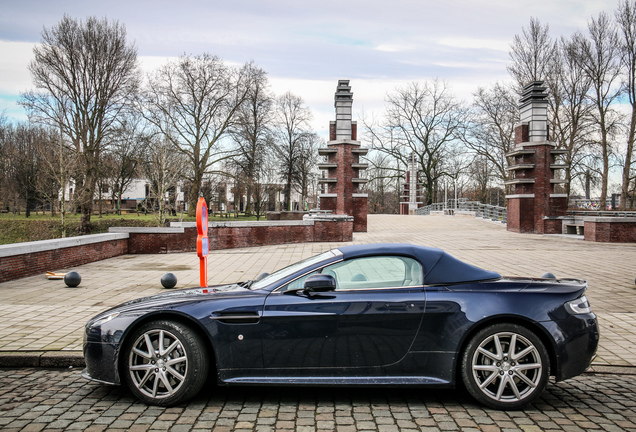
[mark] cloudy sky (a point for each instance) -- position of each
(304, 45)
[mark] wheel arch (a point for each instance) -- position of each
(176, 316)
(540, 331)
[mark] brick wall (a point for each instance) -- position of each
(521, 215)
(618, 230)
(152, 243)
(168, 240)
(522, 133)
(552, 226)
(29, 264)
(360, 214)
(229, 235)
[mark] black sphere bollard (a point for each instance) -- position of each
(168, 280)
(72, 279)
(548, 276)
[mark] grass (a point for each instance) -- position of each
(17, 228)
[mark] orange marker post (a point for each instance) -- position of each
(203, 247)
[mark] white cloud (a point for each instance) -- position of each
(14, 73)
(475, 43)
(307, 46)
(393, 47)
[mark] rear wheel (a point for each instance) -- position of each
(505, 366)
(165, 363)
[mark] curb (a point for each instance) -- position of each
(42, 359)
(612, 369)
(70, 359)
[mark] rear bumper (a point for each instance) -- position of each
(577, 339)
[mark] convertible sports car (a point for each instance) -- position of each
(380, 314)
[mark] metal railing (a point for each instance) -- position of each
(484, 211)
(602, 213)
(611, 204)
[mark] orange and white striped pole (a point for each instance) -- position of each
(203, 247)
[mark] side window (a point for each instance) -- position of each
(375, 272)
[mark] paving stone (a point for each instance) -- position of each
(41, 399)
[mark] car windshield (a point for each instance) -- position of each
(291, 269)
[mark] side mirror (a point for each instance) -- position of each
(319, 283)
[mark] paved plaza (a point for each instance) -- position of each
(43, 320)
(44, 317)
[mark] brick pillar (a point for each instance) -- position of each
(342, 179)
(534, 207)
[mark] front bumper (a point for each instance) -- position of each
(86, 375)
(101, 363)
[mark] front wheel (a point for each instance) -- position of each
(165, 363)
(505, 366)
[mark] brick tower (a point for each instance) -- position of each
(342, 182)
(533, 206)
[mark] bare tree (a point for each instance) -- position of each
(626, 20)
(85, 73)
(424, 119)
(481, 172)
(569, 109)
(306, 169)
(162, 167)
(26, 163)
(124, 156)
(251, 133)
(536, 56)
(5, 164)
(289, 140)
(598, 56)
(383, 178)
(532, 54)
(492, 128)
(193, 101)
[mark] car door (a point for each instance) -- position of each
(370, 320)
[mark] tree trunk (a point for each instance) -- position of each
(195, 188)
(628, 160)
(86, 192)
(248, 203)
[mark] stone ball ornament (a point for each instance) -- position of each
(72, 279)
(169, 280)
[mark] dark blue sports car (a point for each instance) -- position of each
(380, 314)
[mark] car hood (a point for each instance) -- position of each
(166, 299)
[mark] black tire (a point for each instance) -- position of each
(505, 366)
(165, 375)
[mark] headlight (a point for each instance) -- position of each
(578, 306)
(102, 320)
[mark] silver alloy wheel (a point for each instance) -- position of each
(507, 367)
(158, 364)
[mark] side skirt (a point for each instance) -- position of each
(337, 381)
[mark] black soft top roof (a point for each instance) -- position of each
(439, 267)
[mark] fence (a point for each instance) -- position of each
(484, 211)
(612, 203)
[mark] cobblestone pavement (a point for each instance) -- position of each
(48, 400)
